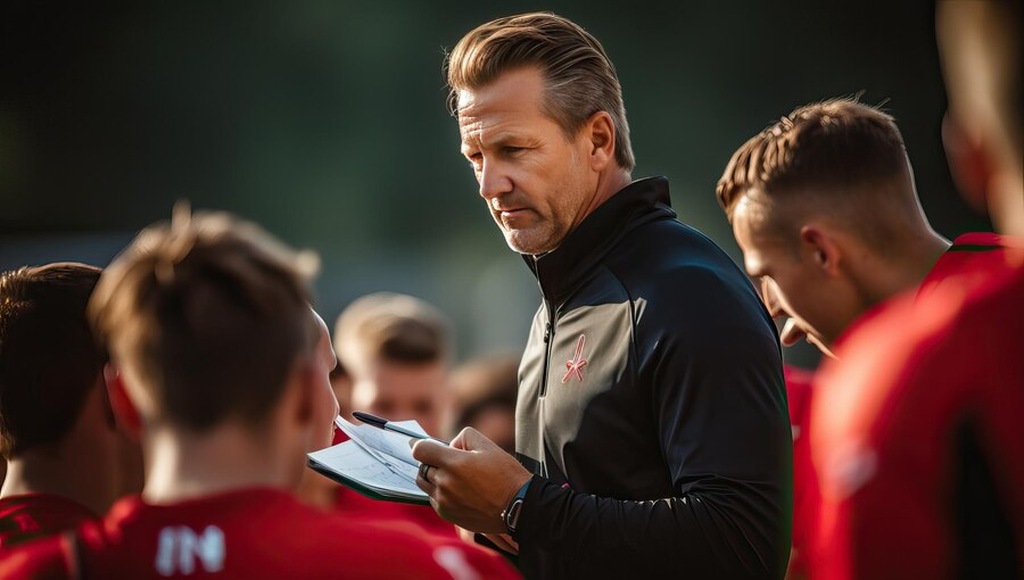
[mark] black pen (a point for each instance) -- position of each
(381, 423)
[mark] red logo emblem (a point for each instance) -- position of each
(574, 366)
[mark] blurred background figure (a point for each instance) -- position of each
(980, 48)
(484, 390)
(398, 350)
(67, 458)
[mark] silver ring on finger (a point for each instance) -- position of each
(425, 471)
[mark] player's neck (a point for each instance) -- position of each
(906, 270)
(81, 467)
(182, 466)
(55, 471)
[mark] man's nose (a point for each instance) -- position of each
(494, 181)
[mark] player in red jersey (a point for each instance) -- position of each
(397, 349)
(922, 468)
(823, 205)
(225, 376)
(920, 459)
(67, 460)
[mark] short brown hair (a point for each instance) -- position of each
(49, 361)
(208, 314)
(830, 148)
(393, 327)
(580, 78)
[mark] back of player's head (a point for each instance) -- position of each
(394, 328)
(837, 156)
(206, 317)
(49, 361)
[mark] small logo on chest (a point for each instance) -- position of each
(574, 366)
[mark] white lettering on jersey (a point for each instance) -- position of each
(178, 548)
(454, 562)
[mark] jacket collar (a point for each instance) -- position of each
(561, 270)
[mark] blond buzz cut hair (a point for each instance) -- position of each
(392, 327)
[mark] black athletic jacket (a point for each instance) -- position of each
(651, 406)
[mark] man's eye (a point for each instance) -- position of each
(510, 150)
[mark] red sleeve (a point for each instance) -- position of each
(805, 483)
(45, 559)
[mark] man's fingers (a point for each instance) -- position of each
(469, 439)
(431, 452)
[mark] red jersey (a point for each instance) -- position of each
(253, 533)
(918, 432)
(34, 515)
(350, 503)
(974, 260)
(805, 484)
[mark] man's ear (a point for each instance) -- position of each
(969, 163)
(599, 131)
(823, 248)
(125, 412)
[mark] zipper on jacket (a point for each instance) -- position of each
(549, 334)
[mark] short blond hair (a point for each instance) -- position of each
(837, 158)
(392, 327)
(822, 147)
(580, 79)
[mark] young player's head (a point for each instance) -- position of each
(49, 361)
(821, 202)
(208, 320)
(397, 349)
(55, 414)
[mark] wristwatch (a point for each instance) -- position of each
(510, 515)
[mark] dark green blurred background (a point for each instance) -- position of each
(325, 121)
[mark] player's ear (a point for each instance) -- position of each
(599, 131)
(822, 247)
(125, 412)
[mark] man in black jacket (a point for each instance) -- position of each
(651, 432)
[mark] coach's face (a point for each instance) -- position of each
(536, 182)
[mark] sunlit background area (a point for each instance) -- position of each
(326, 122)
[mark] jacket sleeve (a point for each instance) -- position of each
(718, 399)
